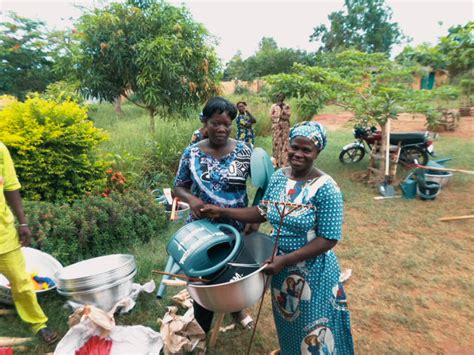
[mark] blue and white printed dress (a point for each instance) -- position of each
(309, 302)
(221, 182)
(245, 131)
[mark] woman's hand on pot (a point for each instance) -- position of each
(273, 268)
(251, 228)
(195, 204)
(211, 211)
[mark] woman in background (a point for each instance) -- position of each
(200, 133)
(244, 122)
(280, 115)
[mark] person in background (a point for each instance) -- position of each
(215, 170)
(200, 133)
(12, 261)
(244, 122)
(308, 300)
(280, 115)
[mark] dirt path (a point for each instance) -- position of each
(406, 122)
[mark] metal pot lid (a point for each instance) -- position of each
(92, 268)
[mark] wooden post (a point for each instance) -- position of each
(216, 329)
(394, 162)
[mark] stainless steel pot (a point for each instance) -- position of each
(231, 296)
(95, 272)
(236, 295)
(104, 296)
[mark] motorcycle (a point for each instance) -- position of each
(414, 146)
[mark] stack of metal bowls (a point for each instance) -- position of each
(101, 281)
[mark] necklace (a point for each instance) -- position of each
(302, 178)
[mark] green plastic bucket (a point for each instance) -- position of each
(408, 188)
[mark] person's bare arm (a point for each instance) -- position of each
(195, 203)
(247, 215)
(14, 201)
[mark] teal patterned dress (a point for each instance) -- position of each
(309, 302)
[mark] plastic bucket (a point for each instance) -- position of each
(408, 188)
(429, 191)
(441, 177)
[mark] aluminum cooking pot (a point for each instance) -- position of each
(201, 248)
(235, 295)
(231, 296)
(95, 272)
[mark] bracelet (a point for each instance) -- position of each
(23, 225)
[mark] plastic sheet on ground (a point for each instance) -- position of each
(182, 334)
(90, 321)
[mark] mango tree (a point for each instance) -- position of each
(156, 56)
(25, 61)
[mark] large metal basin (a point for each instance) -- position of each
(231, 296)
(236, 295)
(105, 296)
(95, 272)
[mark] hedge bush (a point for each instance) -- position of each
(53, 145)
(94, 225)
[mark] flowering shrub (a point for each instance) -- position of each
(115, 182)
(53, 146)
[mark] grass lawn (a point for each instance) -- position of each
(411, 287)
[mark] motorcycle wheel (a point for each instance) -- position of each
(409, 154)
(351, 155)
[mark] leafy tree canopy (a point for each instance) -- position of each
(156, 55)
(25, 63)
(458, 47)
(423, 54)
(364, 25)
(369, 84)
(269, 59)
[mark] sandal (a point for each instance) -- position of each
(244, 320)
(48, 336)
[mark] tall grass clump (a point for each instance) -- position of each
(147, 160)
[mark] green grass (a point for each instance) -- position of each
(410, 272)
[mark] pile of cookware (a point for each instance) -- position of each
(226, 268)
(101, 281)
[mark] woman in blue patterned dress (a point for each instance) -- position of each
(244, 122)
(215, 171)
(309, 302)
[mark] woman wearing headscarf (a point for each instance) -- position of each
(307, 298)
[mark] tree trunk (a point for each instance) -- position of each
(152, 120)
(118, 106)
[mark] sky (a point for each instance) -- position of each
(240, 25)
